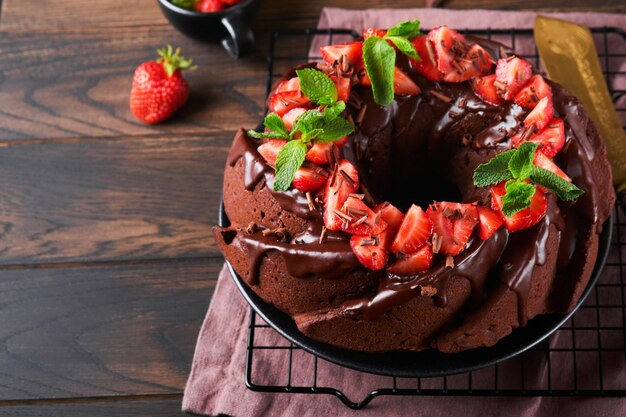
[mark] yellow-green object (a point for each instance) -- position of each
(570, 58)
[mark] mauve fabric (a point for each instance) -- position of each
(216, 382)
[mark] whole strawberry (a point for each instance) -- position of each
(159, 88)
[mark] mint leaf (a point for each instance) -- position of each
(521, 163)
(185, 4)
(333, 111)
(335, 129)
(517, 197)
(404, 45)
(317, 86)
(289, 159)
(380, 61)
(494, 171)
(274, 122)
(265, 135)
(408, 29)
(306, 123)
(565, 190)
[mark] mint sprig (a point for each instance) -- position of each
(316, 125)
(380, 58)
(317, 86)
(517, 168)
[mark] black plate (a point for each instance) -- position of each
(427, 363)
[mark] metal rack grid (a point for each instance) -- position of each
(595, 337)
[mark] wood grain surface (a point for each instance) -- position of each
(101, 199)
(107, 264)
(110, 330)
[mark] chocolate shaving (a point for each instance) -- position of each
(440, 96)
(449, 261)
(309, 198)
(323, 234)
(333, 177)
(457, 66)
(361, 115)
(437, 241)
(466, 139)
(251, 229)
(431, 52)
(342, 215)
(336, 153)
(462, 103)
(358, 212)
(528, 132)
(326, 69)
(347, 177)
(360, 221)
(267, 232)
(359, 196)
(428, 291)
(368, 242)
(281, 233)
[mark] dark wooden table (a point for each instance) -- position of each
(107, 264)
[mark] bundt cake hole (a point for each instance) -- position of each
(229, 236)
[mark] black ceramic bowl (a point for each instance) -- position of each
(231, 26)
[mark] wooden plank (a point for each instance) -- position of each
(67, 84)
(99, 200)
(42, 14)
(122, 408)
(101, 330)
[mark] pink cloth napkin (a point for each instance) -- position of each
(216, 382)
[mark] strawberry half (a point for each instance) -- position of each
(390, 214)
(415, 231)
(292, 84)
(512, 73)
(541, 160)
(363, 220)
(535, 89)
(428, 65)
(320, 152)
(281, 103)
(343, 85)
(419, 261)
(337, 189)
(522, 219)
(310, 178)
(368, 33)
(270, 148)
(550, 140)
(290, 117)
(475, 63)
(489, 222)
(352, 50)
(403, 85)
(372, 251)
(449, 46)
(454, 223)
(541, 115)
(483, 87)
(480, 59)
(210, 6)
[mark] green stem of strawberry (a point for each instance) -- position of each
(173, 60)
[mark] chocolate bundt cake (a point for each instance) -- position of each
(458, 207)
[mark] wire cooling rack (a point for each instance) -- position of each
(585, 357)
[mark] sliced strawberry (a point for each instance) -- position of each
(352, 50)
(449, 46)
(535, 89)
(415, 231)
(428, 64)
(372, 251)
(337, 190)
(541, 115)
(368, 33)
(490, 221)
(454, 223)
(310, 178)
(320, 152)
(403, 85)
(550, 140)
(292, 84)
(390, 214)
(419, 261)
(270, 148)
(522, 219)
(343, 85)
(480, 59)
(513, 73)
(364, 220)
(541, 160)
(281, 103)
(475, 63)
(290, 117)
(484, 88)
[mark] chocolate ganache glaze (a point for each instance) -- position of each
(419, 149)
